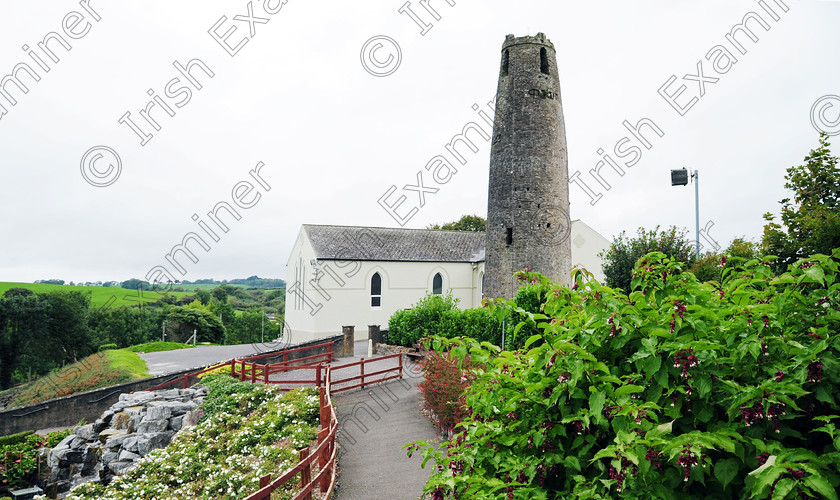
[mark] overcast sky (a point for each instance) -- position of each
(338, 117)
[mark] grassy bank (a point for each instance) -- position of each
(157, 347)
(98, 370)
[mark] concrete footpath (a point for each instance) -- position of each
(196, 357)
(375, 424)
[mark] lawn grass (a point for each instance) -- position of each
(157, 347)
(96, 371)
(126, 361)
(99, 295)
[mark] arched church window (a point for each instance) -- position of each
(376, 290)
(437, 284)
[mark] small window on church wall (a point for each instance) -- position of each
(376, 290)
(509, 237)
(543, 62)
(437, 284)
(505, 60)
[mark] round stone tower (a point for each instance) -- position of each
(528, 221)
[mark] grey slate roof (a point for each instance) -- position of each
(390, 244)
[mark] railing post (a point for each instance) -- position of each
(330, 352)
(305, 476)
(318, 375)
(285, 357)
(323, 434)
(242, 371)
(253, 372)
(233, 368)
(362, 366)
(401, 364)
(265, 374)
(187, 381)
(325, 417)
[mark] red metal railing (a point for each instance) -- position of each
(242, 374)
(325, 451)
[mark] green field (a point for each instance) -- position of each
(100, 296)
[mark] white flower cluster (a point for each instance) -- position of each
(225, 455)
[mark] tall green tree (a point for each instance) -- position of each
(811, 219)
(182, 321)
(23, 321)
(621, 256)
(69, 334)
(465, 223)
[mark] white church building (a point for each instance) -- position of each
(348, 275)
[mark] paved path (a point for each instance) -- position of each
(375, 424)
(196, 357)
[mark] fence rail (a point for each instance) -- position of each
(324, 454)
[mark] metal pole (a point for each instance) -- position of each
(697, 211)
(262, 333)
(503, 334)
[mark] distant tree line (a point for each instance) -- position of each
(40, 332)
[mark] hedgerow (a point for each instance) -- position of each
(680, 389)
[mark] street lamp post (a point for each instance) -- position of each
(680, 178)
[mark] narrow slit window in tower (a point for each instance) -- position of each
(509, 239)
(505, 61)
(543, 61)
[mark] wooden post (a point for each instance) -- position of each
(401, 364)
(325, 417)
(265, 481)
(242, 371)
(285, 357)
(323, 434)
(330, 352)
(305, 474)
(318, 375)
(187, 381)
(253, 372)
(362, 366)
(233, 368)
(265, 374)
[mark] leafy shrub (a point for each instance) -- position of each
(15, 438)
(432, 315)
(445, 379)
(105, 347)
(480, 324)
(20, 460)
(677, 390)
(438, 315)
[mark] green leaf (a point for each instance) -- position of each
(704, 385)
(628, 389)
(651, 365)
(815, 275)
(726, 470)
(532, 339)
(596, 403)
(782, 488)
(572, 462)
(819, 484)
